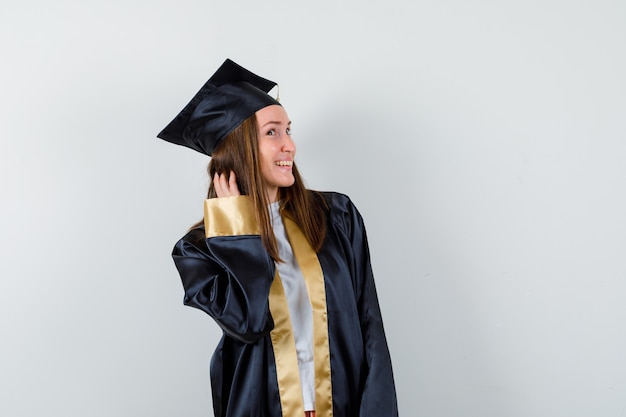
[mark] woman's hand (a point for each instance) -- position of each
(226, 187)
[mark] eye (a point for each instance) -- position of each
(271, 132)
(288, 131)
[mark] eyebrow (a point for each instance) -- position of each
(275, 123)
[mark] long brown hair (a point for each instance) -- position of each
(239, 152)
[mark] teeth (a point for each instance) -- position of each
(284, 163)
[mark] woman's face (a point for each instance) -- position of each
(276, 148)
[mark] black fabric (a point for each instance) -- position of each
(230, 279)
(228, 98)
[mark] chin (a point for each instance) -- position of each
(287, 182)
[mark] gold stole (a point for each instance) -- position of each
(283, 341)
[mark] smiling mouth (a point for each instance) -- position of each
(284, 163)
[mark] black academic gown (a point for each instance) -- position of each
(229, 277)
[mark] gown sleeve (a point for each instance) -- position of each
(226, 272)
(379, 395)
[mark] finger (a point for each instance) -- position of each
(232, 184)
(219, 186)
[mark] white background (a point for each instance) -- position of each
(484, 143)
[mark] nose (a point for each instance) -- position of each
(288, 144)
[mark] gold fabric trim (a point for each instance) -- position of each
(314, 277)
(285, 355)
(229, 216)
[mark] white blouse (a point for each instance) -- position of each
(300, 311)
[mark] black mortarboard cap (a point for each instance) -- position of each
(228, 98)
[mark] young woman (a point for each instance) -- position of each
(284, 271)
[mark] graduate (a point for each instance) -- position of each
(283, 270)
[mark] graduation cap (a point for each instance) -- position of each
(228, 98)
